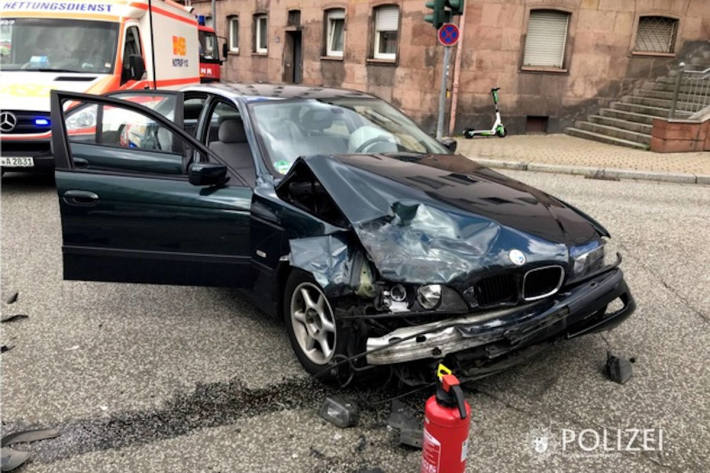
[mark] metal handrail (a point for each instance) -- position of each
(698, 92)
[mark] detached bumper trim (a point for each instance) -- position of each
(570, 313)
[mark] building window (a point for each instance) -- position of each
(260, 34)
(234, 34)
(546, 39)
(335, 33)
(386, 32)
(656, 34)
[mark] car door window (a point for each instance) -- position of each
(105, 137)
(226, 136)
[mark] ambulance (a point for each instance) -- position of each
(83, 46)
(210, 61)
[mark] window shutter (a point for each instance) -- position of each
(656, 34)
(387, 18)
(546, 38)
(336, 14)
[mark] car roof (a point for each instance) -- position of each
(260, 92)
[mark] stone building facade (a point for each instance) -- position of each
(554, 60)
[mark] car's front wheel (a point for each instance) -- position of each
(310, 323)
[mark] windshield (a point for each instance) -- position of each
(336, 126)
(34, 44)
(208, 45)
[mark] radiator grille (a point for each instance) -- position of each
(497, 289)
(542, 282)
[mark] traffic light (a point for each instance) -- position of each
(438, 14)
(456, 7)
(442, 11)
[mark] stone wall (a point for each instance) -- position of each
(599, 63)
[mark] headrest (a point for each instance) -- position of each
(232, 131)
(317, 119)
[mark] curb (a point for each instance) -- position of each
(597, 173)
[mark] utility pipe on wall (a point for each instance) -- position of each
(457, 72)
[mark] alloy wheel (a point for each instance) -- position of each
(313, 323)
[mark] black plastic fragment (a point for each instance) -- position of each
(339, 412)
(361, 443)
(5, 348)
(618, 369)
(13, 298)
(405, 421)
(12, 318)
(12, 459)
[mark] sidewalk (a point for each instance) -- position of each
(571, 155)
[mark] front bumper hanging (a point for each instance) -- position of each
(570, 313)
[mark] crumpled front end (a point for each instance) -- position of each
(465, 259)
(571, 313)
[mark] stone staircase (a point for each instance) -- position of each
(627, 122)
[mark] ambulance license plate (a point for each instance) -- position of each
(17, 162)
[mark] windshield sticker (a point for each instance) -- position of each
(282, 167)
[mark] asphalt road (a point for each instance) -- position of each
(154, 378)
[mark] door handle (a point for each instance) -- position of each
(81, 198)
(80, 162)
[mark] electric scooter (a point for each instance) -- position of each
(497, 130)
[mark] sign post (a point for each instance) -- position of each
(448, 36)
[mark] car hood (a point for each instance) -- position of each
(436, 218)
(29, 90)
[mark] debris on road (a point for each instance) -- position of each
(361, 443)
(75, 347)
(13, 298)
(11, 458)
(618, 369)
(5, 348)
(12, 318)
(403, 419)
(27, 436)
(339, 412)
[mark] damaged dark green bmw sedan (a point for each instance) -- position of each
(376, 244)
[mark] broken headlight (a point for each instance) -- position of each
(429, 296)
(593, 257)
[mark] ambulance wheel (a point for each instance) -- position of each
(311, 326)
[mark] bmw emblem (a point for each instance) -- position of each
(517, 257)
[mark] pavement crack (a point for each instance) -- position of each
(670, 288)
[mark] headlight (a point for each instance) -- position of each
(429, 296)
(83, 118)
(587, 261)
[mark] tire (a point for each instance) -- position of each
(315, 327)
(501, 132)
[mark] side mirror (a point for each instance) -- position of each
(449, 143)
(225, 50)
(133, 67)
(207, 174)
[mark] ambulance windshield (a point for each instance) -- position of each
(57, 45)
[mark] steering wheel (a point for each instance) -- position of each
(372, 141)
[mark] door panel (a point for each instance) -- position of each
(132, 215)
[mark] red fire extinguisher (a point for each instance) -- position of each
(446, 420)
